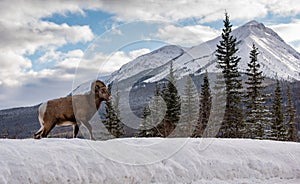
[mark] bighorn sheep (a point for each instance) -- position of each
(72, 110)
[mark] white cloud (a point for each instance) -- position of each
(105, 64)
(289, 31)
(69, 59)
(283, 8)
(13, 66)
(115, 30)
(23, 32)
(21, 12)
(28, 38)
(205, 10)
(135, 53)
(66, 64)
(187, 35)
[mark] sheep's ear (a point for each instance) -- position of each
(97, 89)
(93, 87)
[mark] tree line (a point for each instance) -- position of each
(230, 110)
(246, 113)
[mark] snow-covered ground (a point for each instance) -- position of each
(152, 160)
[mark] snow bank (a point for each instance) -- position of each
(165, 161)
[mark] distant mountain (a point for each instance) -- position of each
(278, 59)
(18, 122)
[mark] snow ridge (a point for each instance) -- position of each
(198, 161)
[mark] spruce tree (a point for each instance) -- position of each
(256, 118)
(292, 133)
(157, 111)
(228, 62)
(216, 117)
(189, 116)
(278, 129)
(145, 126)
(116, 103)
(205, 107)
(112, 117)
(173, 103)
(153, 116)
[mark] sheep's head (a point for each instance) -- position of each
(100, 89)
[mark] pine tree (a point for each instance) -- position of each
(292, 134)
(112, 117)
(257, 113)
(189, 116)
(278, 130)
(173, 103)
(205, 107)
(228, 62)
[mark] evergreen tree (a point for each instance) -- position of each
(278, 130)
(116, 103)
(157, 112)
(216, 117)
(257, 113)
(112, 117)
(205, 107)
(152, 120)
(189, 116)
(228, 62)
(145, 126)
(292, 134)
(173, 103)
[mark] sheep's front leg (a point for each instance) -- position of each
(89, 127)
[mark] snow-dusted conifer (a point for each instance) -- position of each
(189, 116)
(278, 129)
(232, 125)
(257, 114)
(205, 107)
(292, 133)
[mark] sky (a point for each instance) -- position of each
(47, 48)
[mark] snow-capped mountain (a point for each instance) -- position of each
(278, 59)
(148, 62)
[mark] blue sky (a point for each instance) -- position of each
(43, 43)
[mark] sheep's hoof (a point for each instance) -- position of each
(37, 136)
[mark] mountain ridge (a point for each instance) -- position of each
(278, 59)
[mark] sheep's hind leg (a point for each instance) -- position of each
(75, 130)
(37, 135)
(47, 130)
